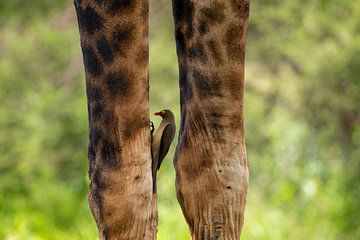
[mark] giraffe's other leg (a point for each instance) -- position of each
(211, 164)
(114, 42)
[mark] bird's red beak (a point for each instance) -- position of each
(157, 113)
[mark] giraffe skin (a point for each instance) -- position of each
(114, 42)
(210, 161)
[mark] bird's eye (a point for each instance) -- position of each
(162, 112)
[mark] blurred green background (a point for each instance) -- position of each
(302, 113)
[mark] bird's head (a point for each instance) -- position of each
(164, 114)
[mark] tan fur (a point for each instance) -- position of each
(114, 40)
(211, 164)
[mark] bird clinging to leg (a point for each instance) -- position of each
(161, 141)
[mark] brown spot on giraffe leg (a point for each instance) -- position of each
(95, 111)
(122, 36)
(232, 42)
(120, 6)
(92, 92)
(241, 8)
(91, 61)
(180, 42)
(99, 180)
(210, 16)
(109, 153)
(104, 49)
(95, 107)
(94, 138)
(206, 86)
(186, 87)
(91, 158)
(88, 18)
(197, 53)
(184, 11)
(118, 83)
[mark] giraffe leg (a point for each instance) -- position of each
(114, 41)
(211, 164)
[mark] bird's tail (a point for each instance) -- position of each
(154, 173)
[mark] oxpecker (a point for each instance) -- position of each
(161, 141)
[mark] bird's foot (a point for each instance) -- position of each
(152, 128)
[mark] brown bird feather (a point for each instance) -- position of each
(161, 141)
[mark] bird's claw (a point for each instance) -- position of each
(152, 128)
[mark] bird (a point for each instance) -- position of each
(161, 141)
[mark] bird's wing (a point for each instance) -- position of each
(166, 140)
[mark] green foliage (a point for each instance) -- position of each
(301, 112)
(27, 12)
